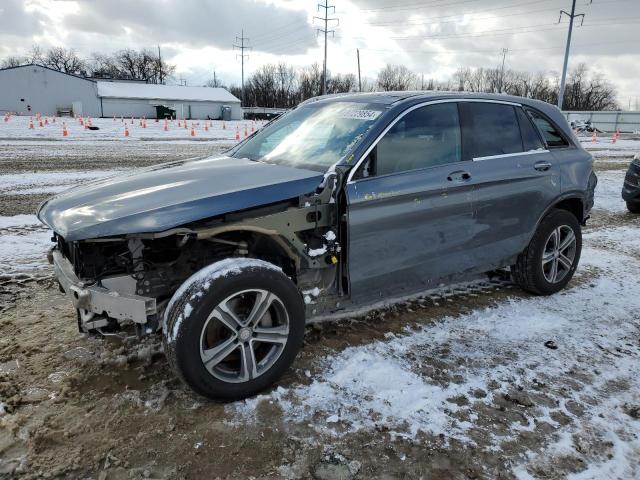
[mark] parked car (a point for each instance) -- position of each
(339, 203)
(631, 187)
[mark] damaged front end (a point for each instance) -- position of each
(129, 279)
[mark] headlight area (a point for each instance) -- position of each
(116, 283)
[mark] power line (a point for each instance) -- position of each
(504, 56)
(572, 16)
(326, 30)
(242, 47)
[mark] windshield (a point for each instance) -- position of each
(313, 136)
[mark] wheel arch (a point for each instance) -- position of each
(264, 244)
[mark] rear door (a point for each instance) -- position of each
(409, 206)
(513, 175)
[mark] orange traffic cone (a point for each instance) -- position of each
(237, 133)
(64, 130)
(126, 131)
(246, 133)
(594, 137)
(206, 126)
(46, 120)
(40, 123)
(31, 124)
(614, 138)
(144, 124)
(185, 125)
(193, 131)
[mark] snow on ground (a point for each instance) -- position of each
(383, 385)
(17, 128)
(48, 182)
(609, 191)
(605, 144)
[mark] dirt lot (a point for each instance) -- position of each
(474, 381)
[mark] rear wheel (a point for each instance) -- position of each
(633, 207)
(234, 328)
(551, 258)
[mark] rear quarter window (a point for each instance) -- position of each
(550, 133)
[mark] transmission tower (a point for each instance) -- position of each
(242, 47)
(572, 16)
(326, 31)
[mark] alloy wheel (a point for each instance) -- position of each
(244, 335)
(559, 254)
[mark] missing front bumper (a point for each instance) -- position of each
(99, 300)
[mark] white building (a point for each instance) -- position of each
(31, 89)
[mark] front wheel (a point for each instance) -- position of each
(233, 328)
(551, 258)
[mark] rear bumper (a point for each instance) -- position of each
(94, 300)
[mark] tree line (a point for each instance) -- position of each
(284, 86)
(127, 64)
(279, 85)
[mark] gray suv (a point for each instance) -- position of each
(339, 203)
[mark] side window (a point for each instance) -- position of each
(530, 138)
(426, 137)
(550, 133)
(490, 129)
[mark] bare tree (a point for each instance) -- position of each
(63, 60)
(13, 61)
(396, 77)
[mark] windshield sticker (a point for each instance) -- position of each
(358, 114)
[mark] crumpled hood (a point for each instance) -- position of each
(170, 195)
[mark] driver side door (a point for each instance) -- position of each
(410, 215)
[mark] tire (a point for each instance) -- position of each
(231, 316)
(633, 207)
(536, 277)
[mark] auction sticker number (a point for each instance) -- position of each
(358, 114)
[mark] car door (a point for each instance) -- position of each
(514, 178)
(409, 205)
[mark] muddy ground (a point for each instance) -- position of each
(109, 408)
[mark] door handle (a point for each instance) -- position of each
(459, 176)
(542, 166)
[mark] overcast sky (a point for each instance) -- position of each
(433, 37)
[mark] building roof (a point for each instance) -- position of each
(109, 89)
(26, 65)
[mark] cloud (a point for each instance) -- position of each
(434, 37)
(196, 23)
(16, 20)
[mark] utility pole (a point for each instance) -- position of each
(504, 56)
(242, 47)
(326, 31)
(572, 16)
(160, 64)
(359, 79)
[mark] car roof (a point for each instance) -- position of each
(395, 97)
(408, 98)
